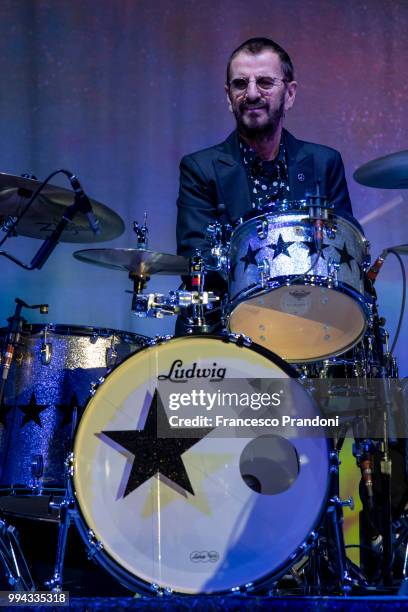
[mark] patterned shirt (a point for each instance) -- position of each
(268, 180)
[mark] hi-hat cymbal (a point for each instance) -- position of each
(141, 262)
(388, 172)
(49, 207)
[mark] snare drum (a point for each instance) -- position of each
(169, 516)
(48, 385)
(286, 298)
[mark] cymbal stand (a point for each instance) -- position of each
(348, 574)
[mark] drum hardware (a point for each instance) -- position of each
(13, 560)
(142, 233)
(13, 337)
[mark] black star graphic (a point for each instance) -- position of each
(67, 410)
(250, 257)
(153, 455)
(232, 271)
(345, 256)
(313, 248)
(281, 247)
(32, 411)
(4, 410)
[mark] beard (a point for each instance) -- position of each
(259, 124)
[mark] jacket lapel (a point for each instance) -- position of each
(232, 179)
(301, 168)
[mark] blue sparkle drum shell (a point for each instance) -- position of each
(48, 385)
(222, 534)
(302, 314)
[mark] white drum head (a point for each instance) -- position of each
(221, 535)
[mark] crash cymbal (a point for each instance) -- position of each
(48, 208)
(388, 172)
(141, 262)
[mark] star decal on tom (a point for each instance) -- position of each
(345, 257)
(313, 248)
(250, 257)
(281, 247)
(32, 411)
(153, 454)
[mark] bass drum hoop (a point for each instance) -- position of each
(133, 582)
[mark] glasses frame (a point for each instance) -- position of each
(259, 87)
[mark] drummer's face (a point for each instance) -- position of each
(258, 109)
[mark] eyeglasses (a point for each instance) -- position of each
(263, 83)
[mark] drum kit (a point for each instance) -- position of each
(80, 408)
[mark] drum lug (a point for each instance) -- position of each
(161, 590)
(262, 228)
(46, 349)
(69, 464)
(240, 339)
(95, 546)
(264, 271)
(332, 269)
(111, 356)
(95, 385)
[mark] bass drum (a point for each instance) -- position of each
(163, 514)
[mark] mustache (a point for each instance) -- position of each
(248, 106)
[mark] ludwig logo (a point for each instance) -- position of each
(179, 374)
(204, 556)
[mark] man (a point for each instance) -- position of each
(260, 162)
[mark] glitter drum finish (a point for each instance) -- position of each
(48, 385)
(284, 297)
(155, 531)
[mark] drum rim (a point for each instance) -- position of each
(80, 330)
(333, 213)
(132, 581)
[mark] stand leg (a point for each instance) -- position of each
(55, 583)
(13, 560)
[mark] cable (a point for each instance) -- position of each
(404, 291)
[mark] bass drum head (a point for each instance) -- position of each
(207, 531)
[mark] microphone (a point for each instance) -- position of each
(84, 204)
(377, 265)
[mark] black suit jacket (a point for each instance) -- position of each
(214, 185)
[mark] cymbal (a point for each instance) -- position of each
(388, 172)
(402, 249)
(49, 207)
(141, 262)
